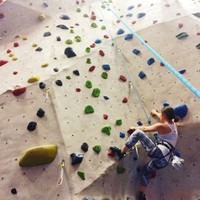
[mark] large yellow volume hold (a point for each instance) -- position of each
(39, 155)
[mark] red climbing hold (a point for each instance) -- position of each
(3, 62)
(133, 22)
(161, 64)
(118, 21)
(105, 116)
(2, 15)
(15, 73)
(16, 44)
(93, 17)
(106, 36)
(78, 89)
(8, 51)
(125, 100)
(92, 45)
(198, 33)
(122, 78)
(111, 153)
(101, 53)
(180, 25)
(91, 69)
(19, 91)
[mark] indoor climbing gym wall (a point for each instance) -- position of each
(75, 75)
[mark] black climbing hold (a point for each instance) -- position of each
(13, 191)
(106, 97)
(85, 147)
(40, 112)
(197, 14)
(55, 69)
(46, 34)
(58, 38)
(136, 51)
(59, 82)
(69, 52)
(42, 85)
(76, 72)
(39, 49)
(32, 126)
(142, 75)
(150, 61)
(62, 26)
(76, 158)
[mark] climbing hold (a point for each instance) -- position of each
(92, 45)
(45, 3)
(129, 15)
(90, 198)
(19, 91)
(64, 17)
(85, 147)
(8, 51)
(136, 51)
(125, 100)
(32, 126)
(182, 35)
(88, 61)
(106, 97)
(106, 130)
(3, 62)
(55, 69)
(78, 38)
(120, 170)
(104, 75)
(41, 17)
(69, 52)
(88, 84)
(106, 67)
(140, 15)
(93, 17)
(101, 53)
(122, 78)
(96, 92)
(85, 15)
(89, 109)
(71, 31)
(78, 10)
(182, 71)
(106, 36)
(181, 110)
(76, 72)
(105, 116)
(150, 61)
(42, 85)
(197, 14)
(122, 135)
(128, 36)
(118, 122)
(13, 191)
(44, 65)
(69, 41)
(40, 113)
(103, 27)
(87, 49)
(139, 123)
(81, 175)
(46, 34)
(2, 15)
(165, 104)
(130, 7)
(134, 22)
(16, 44)
(120, 31)
(97, 41)
(198, 46)
(76, 158)
(94, 25)
(34, 45)
(39, 49)
(91, 69)
(78, 89)
(62, 26)
(39, 155)
(97, 148)
(58, 38)
(142, 74)
(180, 25)
(33, 79)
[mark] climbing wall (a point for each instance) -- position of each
(96, 68)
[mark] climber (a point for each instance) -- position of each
(160, 151)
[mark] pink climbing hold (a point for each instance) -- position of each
(133, 22)
(106, 36)
(180, 25)
(3, 62)
(16, 44)
(19, 91)
(122, 78)
(198, 33)
(139, 5)
(2, 15)
(92, 45)
(101, 53)
(93, 16)
(105, 116)
(118, 21)
(125, 100)
(91, 69)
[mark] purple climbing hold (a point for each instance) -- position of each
(140, 15)
(120, 31)
(139, 123)
(128, 36)
(181, 110)
(69, 52)
(64, 17)
(150, 61)
(129, 15)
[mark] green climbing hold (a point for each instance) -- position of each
(106, 130)
(68, 77)
(88, 61)
(68, 41)
(182, 35)
(87, 49)
(71, 31)
(113, 44)
(103, 27)
(118, 122)
(96, 92)
(103, 6)
(78, 10)
(104, 75)
(85, 15)
(88, 84)
(97, 148)
(94, 25)
(81, 175)
(120, 170)
(89, 109)
(77, 38)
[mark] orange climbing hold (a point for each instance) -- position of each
(19, 91)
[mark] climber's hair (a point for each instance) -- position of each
(170, 113)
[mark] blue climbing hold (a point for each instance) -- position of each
(181, 110)
(135, 158)
(98, 41)
(150, 61)
(106, 67)
(182, 71)
(140, 15)
(130, 7)
(142, 75)
(165, 104)
(129, 15)
(128, 36)
(139, 123)
(120, 31)
(122, 135)
(136, 51)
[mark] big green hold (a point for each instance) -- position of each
(88, 84)
(89, 109)
(39, 155)
(106, 130)
(81, 175)
(96, 92)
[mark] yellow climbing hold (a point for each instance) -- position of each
(39, 155)
(45, 65)
(14, 58)
(24, 38)
(34, 45)
(11, 55)
(33, 79)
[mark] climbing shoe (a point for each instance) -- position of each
(141, 196)
(117, 151)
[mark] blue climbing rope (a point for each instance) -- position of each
(127, 71)
(167, 65)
